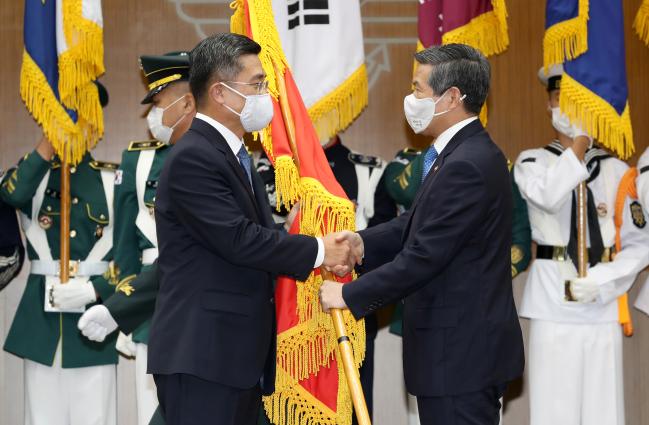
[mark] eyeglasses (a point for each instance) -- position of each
(262, 86)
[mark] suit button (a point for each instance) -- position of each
(272, 300)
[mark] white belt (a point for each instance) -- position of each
(77, 268)
(149, 255)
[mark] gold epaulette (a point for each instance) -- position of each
(145, 145)
(103, 165)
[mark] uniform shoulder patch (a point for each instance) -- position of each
(367, 160)
(145, 145)
(103, 165)
(637, 215)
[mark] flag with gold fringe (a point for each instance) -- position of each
(641, 22)
(63, 55)
(311, 386)
(594, 91)
(481, 24)
(313, 34)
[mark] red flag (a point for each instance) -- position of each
(310, 384)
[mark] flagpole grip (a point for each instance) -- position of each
(64, 256)
(582, 249)
(347, 358)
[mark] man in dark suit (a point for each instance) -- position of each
(212, 339)
(448, 257)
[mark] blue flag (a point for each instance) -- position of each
(594, 90)
(63, 55)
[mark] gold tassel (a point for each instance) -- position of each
(48, 112)
(486, 32)
(335, 111)
(287, 182)
(566, 40)
(641, 22)
(597, 117)
(79, 65)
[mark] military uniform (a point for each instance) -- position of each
(12, 252)
(68, 379)
(642, 187)
(135, 240)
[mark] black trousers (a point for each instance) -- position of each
(478, 408)
(189, 400)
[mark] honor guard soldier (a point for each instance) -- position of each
(68, 379)
(575, 338)
(642, 195)
(135, 240)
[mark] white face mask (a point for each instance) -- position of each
(160, 131)
(257, 111)
(420, 112)
(561, 122)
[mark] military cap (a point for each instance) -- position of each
(552, 79)
(160, 71)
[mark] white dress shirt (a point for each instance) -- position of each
(446, 136)
(235, 145)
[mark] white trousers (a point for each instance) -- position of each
(145, 390)
(575, 374)
(78, 396)
(413, 411)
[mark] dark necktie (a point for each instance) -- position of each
(596, 244)
(244, 161)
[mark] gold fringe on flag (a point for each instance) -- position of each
(47, 110)
(287, 181)
(486, 32)
(335, 111)
(641, 22)
(597, 117)
(566, 40)
(294, 405)
(79, 66)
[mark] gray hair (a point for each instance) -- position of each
(461, 66)
(216, 58)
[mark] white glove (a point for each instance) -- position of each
(578, 132)
(96, 323)
(584, 289)
(74, 294)
(125, 345)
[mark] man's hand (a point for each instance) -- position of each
(290, 218)
(45, 149)
(331, 295)
(74, 294)
(96, 323)
(584, 289)
(337, 255)
(355, 243)
(581, 142)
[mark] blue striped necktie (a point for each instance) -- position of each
(244, 160)
(429, 159)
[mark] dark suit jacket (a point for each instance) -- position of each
(448, 257)
(219, 253)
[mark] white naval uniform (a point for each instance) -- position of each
(575, 349)
(642, 186)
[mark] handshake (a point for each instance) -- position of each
(342, 251)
